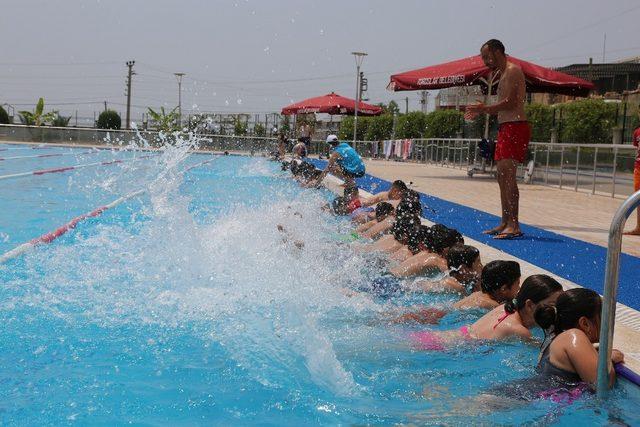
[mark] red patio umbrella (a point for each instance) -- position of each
(472, 71)
(332, 103)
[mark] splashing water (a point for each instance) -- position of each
(216, 296)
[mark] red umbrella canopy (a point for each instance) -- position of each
(472, 71)
(332, 103)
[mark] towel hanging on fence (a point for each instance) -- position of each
(388, 147)
(398, 148)
(407, 145)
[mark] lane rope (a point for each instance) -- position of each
(46, 155)
(68, 168)
(53, 235)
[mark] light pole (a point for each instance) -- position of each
(179, 77)
(359, 56)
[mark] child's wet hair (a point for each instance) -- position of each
(535, 288)
(497, 274)
(339, 206)
(462, 255)
(383, 209)
(350, 192)
(569, 308)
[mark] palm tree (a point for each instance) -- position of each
(37, 117)
(164, 121)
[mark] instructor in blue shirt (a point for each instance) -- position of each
(344, 162)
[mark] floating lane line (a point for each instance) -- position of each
(47, 155)
(68, 168)
(53, 235)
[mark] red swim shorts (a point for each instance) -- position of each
(513, 141)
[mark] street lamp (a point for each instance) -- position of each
(179, 78)
(359, 56)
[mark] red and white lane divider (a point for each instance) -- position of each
(26, 148)
(47, 155)
(53, 235)
(68, 168)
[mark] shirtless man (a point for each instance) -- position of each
(513, 135)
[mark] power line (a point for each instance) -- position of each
(579, 29)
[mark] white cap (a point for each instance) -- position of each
(331, 138)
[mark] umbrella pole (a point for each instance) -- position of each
(355, 115)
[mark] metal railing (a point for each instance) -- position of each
(592, 168)
(49, 134)
(608, 315)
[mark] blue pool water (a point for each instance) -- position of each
(187, 306)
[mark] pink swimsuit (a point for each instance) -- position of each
(430, 340)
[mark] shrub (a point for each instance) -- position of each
(540, 117)
(588, 121)
(443, 124)
(259, 130)
(60, 121)
(411, 125)
(4, 117)
(239, 127)
(109, 119)
(379, 127)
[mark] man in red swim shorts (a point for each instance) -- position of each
(513, 135)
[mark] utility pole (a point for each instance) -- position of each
(424, 100)
(359, 57)
(406, 105)
(604, 47)
(179, 77)
(105, 105)
(129, 74)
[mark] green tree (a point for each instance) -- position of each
(345, 131)
(443, 124)
(588, 121)
(165, 122)
(4, 117)
(239, 126)
(411, 125)
(259, 130)
(540, 117)
(109, 119)
(346, 127)
(285, 124)
(393, 108)
(60, 121)
(37, 117)
(379, 128)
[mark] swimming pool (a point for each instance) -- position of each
(187, 305)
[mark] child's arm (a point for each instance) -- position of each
(416, 265)
(448, 284)
(366, 226)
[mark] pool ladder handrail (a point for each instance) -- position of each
(609, 298)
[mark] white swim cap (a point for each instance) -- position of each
(331, 138)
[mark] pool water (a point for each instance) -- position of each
(186, 305)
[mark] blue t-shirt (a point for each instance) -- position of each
(350, 159)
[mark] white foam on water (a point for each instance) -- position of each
(260, 295)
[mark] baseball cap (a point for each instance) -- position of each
(332, 138)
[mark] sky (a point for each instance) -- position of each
(257, 56)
